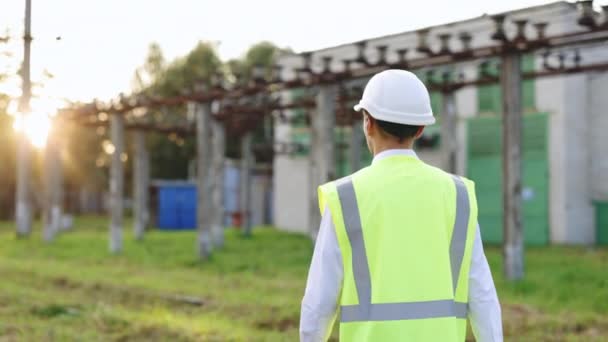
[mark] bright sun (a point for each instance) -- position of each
(37, 124)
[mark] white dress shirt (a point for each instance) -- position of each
(320, 303)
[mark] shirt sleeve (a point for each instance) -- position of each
(484, 308)
(320, 302)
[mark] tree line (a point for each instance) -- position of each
(84, 157)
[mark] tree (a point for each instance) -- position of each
(263, 54)
(153, 67)
(7, 133)
(158, 77)
(172, 154)
(182, 74)
(7, 155)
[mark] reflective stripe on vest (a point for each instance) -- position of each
(365, 310)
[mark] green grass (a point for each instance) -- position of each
(73, 289)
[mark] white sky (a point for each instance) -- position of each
(103, 41)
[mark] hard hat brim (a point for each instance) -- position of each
(399, 118)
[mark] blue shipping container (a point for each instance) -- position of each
(176, 206)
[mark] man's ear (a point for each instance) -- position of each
(368, 122)
(419, 133)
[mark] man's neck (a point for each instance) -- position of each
(392, 145)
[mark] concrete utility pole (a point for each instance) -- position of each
(323, 166)
(219, 161)
(117, 135)
(246, 168)
(326, 104)
(449, 143)
(140, 184)
(314, 218)
(203, 163)
(53, 192)
(513, 247)
(23, 211)
(356, 144)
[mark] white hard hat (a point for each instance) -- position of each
(397, 96)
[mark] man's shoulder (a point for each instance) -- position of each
(360, 173)
(447, 175)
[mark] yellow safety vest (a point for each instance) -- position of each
(405, 231)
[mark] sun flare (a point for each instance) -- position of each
(37, 124)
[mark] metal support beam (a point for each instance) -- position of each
(513, 246)
(218, 162)
(356, 144)
(140, 184)
(247, 161)
(449, 143)
(203, 165)
(117, 135)
(53, 192)
(323, 166)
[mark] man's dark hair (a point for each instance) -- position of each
(399, 131)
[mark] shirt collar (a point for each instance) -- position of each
(394, 152)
